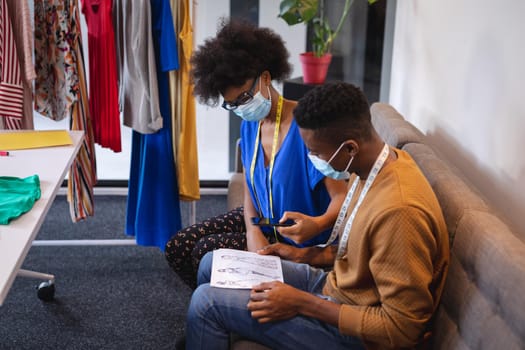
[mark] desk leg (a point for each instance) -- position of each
(46, 290)
(34, 274)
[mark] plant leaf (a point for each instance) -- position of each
(286, 5)
(297, 11)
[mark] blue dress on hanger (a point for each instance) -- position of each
(153, 209)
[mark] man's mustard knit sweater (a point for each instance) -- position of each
(392, 276)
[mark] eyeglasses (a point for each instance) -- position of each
(242, 99)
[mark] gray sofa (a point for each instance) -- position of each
(482, 306)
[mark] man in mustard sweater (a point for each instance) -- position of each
(389, 250)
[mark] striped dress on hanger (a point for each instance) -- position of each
(11, 88)
(82, 174)
(20, 15)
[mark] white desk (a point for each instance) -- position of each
(51, 164)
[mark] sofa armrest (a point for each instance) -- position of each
(392, 127)
(235, 196)
(235, 191)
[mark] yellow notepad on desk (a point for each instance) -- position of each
(16, 140)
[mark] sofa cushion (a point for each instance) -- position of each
(453, 194)
(482, 306)
(392, 127)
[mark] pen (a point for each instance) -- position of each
(4, 153)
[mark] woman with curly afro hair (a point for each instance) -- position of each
(237, 67)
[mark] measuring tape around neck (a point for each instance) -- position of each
(336, 231)
(272, 158)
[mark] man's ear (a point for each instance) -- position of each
(352, 147)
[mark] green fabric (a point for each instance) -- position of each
(17, 196)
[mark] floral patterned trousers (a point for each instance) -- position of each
(186, 248)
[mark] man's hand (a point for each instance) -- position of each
(277, 301)
(274, 301)
(314, 256)
(305, 227)
(284, 251)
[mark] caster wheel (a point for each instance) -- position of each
(46, 291)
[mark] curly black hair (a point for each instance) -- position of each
(239, 52)
(336, 111)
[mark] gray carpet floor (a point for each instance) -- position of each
(118, 297)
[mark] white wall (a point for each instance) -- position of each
(212, 123)
(458, 74)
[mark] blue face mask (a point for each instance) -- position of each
(255, 110)
(327, 170)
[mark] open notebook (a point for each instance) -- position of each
(242, 270)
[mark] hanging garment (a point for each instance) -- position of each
(138, 86)
(103, 94)
(175, 84)
(56, 84)
(153, 209)
(61, 91)
(17, 196)
(23, 32)
(182, 103)
(11, 88)
(82, 173)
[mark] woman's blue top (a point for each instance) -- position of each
(297, 184)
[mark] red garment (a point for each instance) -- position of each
(103, 86)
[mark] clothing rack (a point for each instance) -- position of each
(179, 27)
(29, 10)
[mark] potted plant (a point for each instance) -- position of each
(315, 63)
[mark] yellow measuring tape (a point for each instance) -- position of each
(272, 159)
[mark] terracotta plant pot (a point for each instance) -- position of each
(315, 68)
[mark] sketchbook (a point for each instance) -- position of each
(240, 269)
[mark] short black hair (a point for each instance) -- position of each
(336, 111)
(240, 51)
